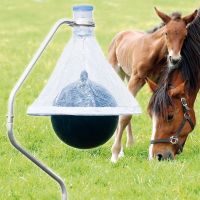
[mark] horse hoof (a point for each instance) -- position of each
(121, 154)
(114, 158)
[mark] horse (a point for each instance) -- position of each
(171, 106)
(135, 55)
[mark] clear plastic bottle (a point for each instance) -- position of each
(83, 131)
(83, 15)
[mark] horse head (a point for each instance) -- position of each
(175, 32)
(171, 110)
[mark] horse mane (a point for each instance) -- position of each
(190, 52)
(160, 99)
(173, 15)
(189, 66)
(154, 29)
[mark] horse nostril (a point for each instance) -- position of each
(174, 61)
(164, 156)
(159, 156)
(170, 58)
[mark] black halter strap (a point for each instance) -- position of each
(175, 138)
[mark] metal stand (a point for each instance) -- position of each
(18, 85)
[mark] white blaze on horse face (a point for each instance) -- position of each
(154, 121)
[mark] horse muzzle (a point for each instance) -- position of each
(164, 156)
(174, 59)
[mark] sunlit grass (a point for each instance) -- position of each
(89, 175)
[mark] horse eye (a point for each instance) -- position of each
(166, 33)
(170, 117)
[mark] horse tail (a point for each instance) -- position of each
(112, 57)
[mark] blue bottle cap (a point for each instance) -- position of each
(83, 8)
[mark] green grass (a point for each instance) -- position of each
(89, 175)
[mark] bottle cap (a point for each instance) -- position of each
(83, 8)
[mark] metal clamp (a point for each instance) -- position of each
(184, 103)
(82, 23)
(173, 140)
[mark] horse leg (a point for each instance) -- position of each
(135, 83)
(117, 149)
(130, 137)
(134, 86)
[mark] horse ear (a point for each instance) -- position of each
(177, 91)
(165, 18)
(190, 18)
(152, 85)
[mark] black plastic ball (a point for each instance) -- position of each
(84, 132)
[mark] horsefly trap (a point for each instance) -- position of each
(84, 96)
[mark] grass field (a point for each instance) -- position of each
(88, 174)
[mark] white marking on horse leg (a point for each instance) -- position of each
(115, 151)
(121, 153)
(130, 138)
(152, 137)
(116, 148)
(114, 158)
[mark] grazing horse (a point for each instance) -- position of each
(135, 55)
(172, 103)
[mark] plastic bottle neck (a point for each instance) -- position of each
(83, 31)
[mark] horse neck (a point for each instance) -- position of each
(158, 34)
(177, 79)
(193, 95)
(159, 42)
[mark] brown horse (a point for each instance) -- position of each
(172, 103)
(173, 119)
(135, 55)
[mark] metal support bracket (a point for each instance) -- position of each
(18, 85)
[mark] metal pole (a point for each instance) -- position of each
(10, 116)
